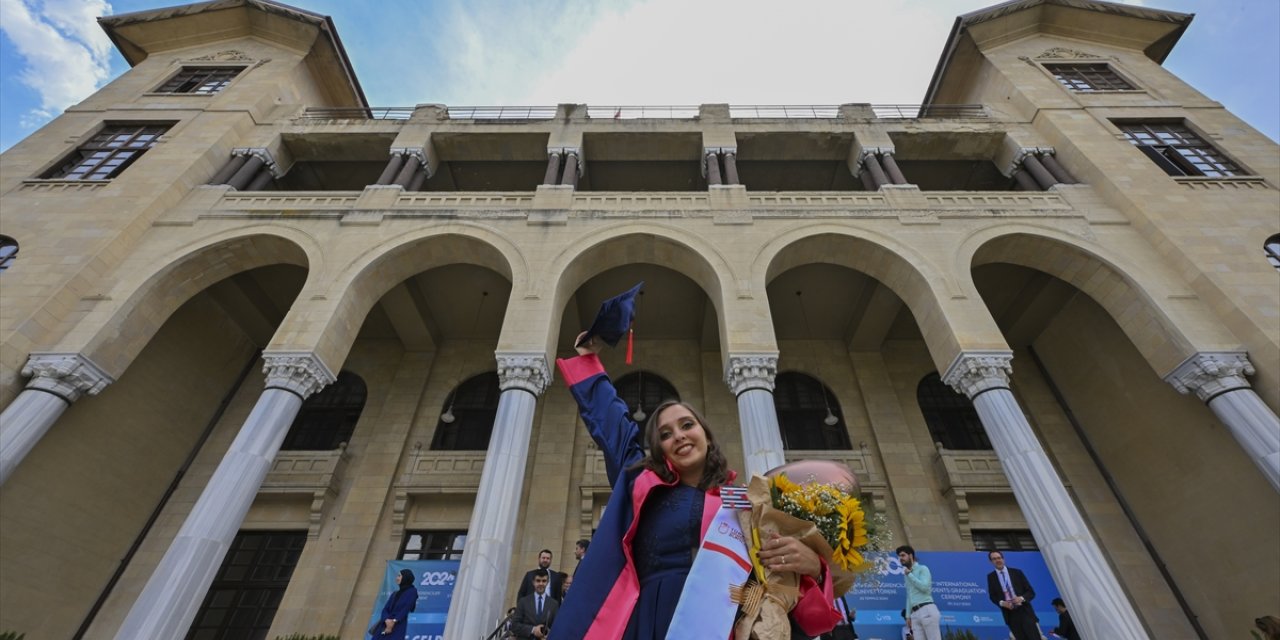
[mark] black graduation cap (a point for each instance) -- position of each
(614, 318)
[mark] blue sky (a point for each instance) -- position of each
(632, 52)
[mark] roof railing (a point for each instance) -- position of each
(616, 112)
(784, 111)
(917, 111)
(501, 113)
(356, 113)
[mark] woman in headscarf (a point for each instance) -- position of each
(395, 614)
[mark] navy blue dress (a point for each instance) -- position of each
(667, 535)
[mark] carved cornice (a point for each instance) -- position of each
(1063, 53)
(973, 372)
(751, 371)
(69, 376)
(230, 55)
(298, 372)
(1211, 373)
(263, 154)
(527, 371)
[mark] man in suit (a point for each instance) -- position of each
(536, 612)
(555, 588)
(1009, 589)
(1066, 628)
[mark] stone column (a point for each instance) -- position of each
(571, 168)
(1025, 181)
(57, 380)
(393, 167)
(410, 167)
(711, 161)
(229, 169)
(246, 172)
(891, 166)
(871, 162)
(552, 175)
(1037, 171)
(1099, 606)
(1218, 379)
(1058, 171)
(480, 594)
(750, 378)
(173, 594)
(731, 166)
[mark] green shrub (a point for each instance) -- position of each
(958, 634)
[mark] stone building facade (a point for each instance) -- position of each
(244, 310)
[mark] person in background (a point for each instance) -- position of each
(580, 550)
(1010, 590)
(922, 614)
(395, 613)
(564, 589)
(544, 564)
(536, 612)
(1066, 628)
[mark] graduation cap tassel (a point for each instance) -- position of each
(631, 344)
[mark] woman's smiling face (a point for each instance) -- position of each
(683, 442)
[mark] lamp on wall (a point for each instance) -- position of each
(447, 417)
(831, 420)
(639, 414)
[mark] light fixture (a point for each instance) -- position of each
(447, 417)
(831, 420)
(639, 414)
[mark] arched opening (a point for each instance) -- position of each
(808, 414)
(643, 391)
(8, 252)
(327, 418)
(1271, 248)
(953, 422)
(466, 420)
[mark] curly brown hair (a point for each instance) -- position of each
(715, 472)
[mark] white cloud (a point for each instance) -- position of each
(65, 54)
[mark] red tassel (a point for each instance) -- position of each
(631, 344)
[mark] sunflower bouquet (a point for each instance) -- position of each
(822, 512)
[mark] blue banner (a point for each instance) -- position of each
(959, 590)
(435, 580)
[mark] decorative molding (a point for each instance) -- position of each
(69, 376)
(1211, 373)
(298, 372)
(748, 371)
(973, 372)
(262, 154)
(527, 371)
(1063, 53)
(230, 55)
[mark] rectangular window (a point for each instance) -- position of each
(1088, 77)
(433, 545)
(200, 80)
(248, 588)
(1003, 540)
(1178, 150)
(108, 152)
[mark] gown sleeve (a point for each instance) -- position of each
(604, 413)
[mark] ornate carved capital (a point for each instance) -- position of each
(263, 154)
(527, 371)
(1211, 373)
(973, 372)
(1022, 154)
(1062, 53)
(298, 372)
(69, 376)
(751, 371)
(415, 152)
(230, 55)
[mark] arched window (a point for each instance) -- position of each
(8, 251)
(328, 417)
(467, 418)
(808, 413)
(644, 390)
(1272, 248)
(951, 417)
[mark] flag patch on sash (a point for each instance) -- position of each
(734, 497)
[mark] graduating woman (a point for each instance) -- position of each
(395, 614)
(660, 508)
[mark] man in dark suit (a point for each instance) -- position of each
(1009, 589)
(1066, 628)
(536, 612)
(555, 588)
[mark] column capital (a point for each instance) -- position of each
(747, 371)
(523, 370)
(1022, 153)
(262, 154)
(69, 376)
(298, 372)
(973, 372)
(1211, 373)
(414, 152)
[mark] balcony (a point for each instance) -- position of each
(434, 472)
(316, 474)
